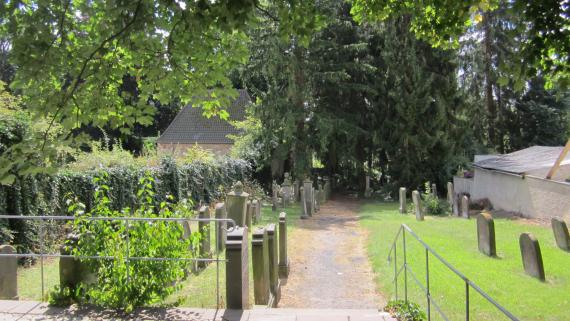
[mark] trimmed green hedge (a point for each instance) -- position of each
(47, 195)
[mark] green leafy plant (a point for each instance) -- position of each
(431, 203)
(122, 283)
(197, 153)
(405, 310)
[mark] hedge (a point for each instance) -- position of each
(47, 195)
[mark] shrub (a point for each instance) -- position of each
(128, 284)
(431, 203)
(405, 311)
(198, 154)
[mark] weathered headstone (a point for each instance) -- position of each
(274, 285)
(260, 262)
(561, 233)
(450, 195)
(465, 206)
(248, 213)
(8, 274)
(296, 189)
(258, 210)
(287, 190)
(304, 209)
(531, 256)
(254, 207)
(434, 190)
(316, 204)
(274, 196)
(236, 204)
(221, 227)
(418, 205)
(283, 259)
(73, 271)
(322, 197)
(486, 234)
(309, 197)
(204, 228)
(403, 206)
(327, 187)
(367, 190)
(237, 269)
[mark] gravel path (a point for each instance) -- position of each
(329, 263)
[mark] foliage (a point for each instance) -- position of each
(197, 153)
(123, 283)
(102, 155)
(46, 194)
(75, 58)
(431, 203)
(405, 310)
(544, 32)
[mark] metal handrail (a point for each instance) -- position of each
(426, 288)
(127, 258)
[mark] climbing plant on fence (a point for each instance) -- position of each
(46, 194)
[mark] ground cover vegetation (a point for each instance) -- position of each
(455, 239)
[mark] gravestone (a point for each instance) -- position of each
(434, 190)
(258, 210)
(297, 194)
(322, 197)
(304, 209)
(221, 227)
(367, 191)
(327, 187)
(531, 256)
(283, 259)
(561, 233)
(316, 204)
(403, 206)
(309, 197)
(274, 286)
(274, 196)
(8, 274)
(204, 228)
(486, 234)
(418, 205)
(450, 195)
(237, 269)
(236, 204)
(287, 190)
(260, 262)
(248, 213)
(465, 206)
(254, 207)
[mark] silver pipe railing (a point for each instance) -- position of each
(42, 218)
(426, 288)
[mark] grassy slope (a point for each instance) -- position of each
(503, 278)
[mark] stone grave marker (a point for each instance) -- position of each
(237, 269)
(403, 206)
(287, 190)
(221, 227)
(274, 285)
(309, 197)
(204, 228)
(274, 196)
(486, 234)
(465, 206)
(8, 274)
(434, 190)
(531, 256)
(304, 209)
(236, 204)
(416, 198)
(450, 195)
(367, 190)
(283, 259)
(561, 233)
(260, 262)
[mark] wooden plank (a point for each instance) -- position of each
(556, 165)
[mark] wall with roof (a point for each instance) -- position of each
(531, 196)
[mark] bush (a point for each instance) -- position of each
(405, 311)
(46, 194)
(128, 284)
(432, 204)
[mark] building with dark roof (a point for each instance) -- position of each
(532, 182)
(190, 127)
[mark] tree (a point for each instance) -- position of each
(545, 32)
(72, 56)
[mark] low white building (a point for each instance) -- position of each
(517, 182)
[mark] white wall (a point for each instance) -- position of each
(530, 196)
(462, 185)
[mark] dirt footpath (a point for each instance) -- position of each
(329, 263)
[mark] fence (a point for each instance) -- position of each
(429, 252)
(219, 223)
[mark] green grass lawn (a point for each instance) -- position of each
(503, 278)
